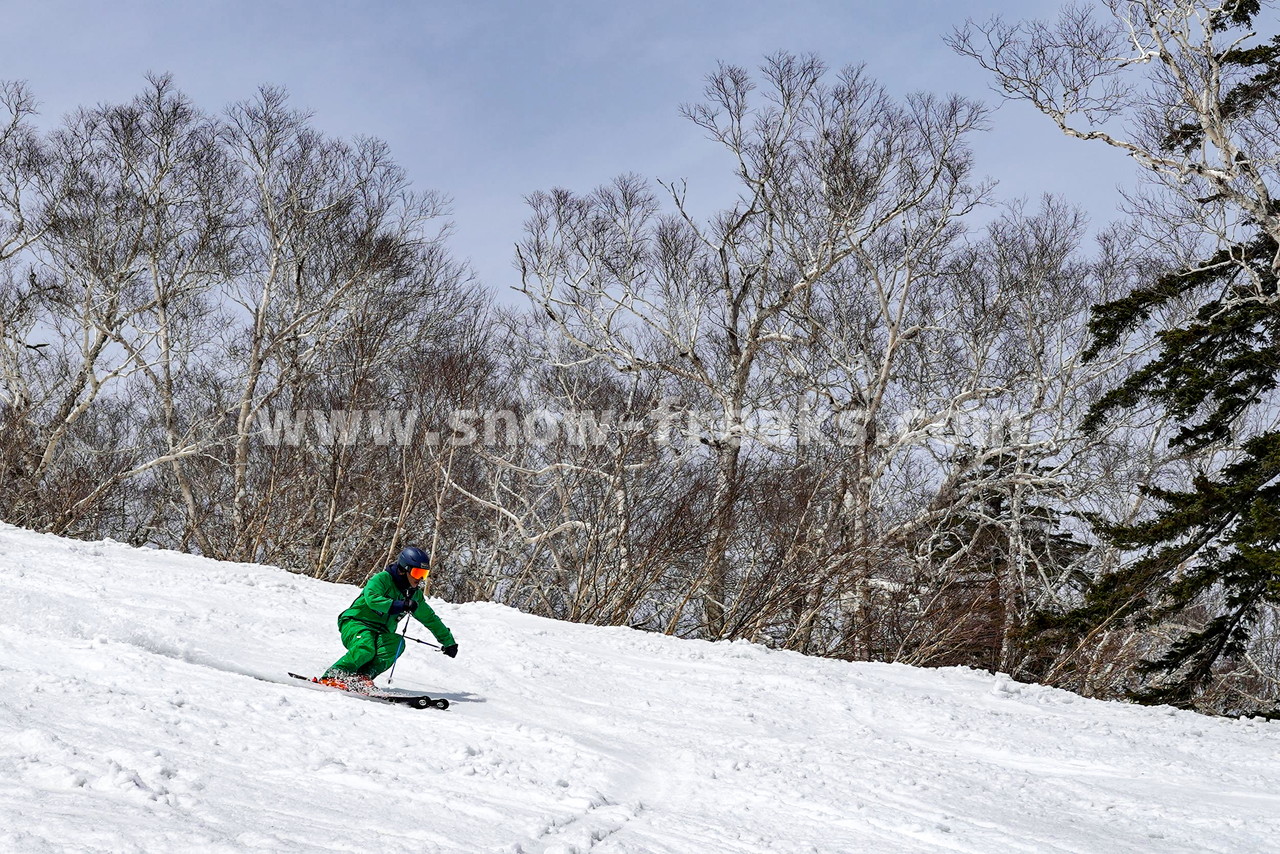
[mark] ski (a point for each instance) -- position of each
(416, 701)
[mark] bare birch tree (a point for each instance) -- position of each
(170, 274)
(826, 170)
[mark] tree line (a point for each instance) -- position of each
(868, 410)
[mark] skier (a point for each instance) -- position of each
(368, 627)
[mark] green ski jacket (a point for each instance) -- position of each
(373, 608)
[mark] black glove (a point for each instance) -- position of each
(451, 650)
(400, 606)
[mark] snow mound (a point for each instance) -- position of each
(147, 710)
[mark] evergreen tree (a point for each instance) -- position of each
(1217, 544)
(1204, 121)
(996, 550)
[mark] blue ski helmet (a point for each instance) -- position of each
(412, 557)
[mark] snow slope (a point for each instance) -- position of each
(138, 715)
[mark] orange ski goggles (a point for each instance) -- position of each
(417, 573)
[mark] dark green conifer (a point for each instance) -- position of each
(1211, 556)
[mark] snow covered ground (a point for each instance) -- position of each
(138, 714)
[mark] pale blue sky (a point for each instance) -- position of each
(489, 101)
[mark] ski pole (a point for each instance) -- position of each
(424, 643)
(404, 634)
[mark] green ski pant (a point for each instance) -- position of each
(369, 651)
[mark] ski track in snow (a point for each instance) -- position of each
(147, 709)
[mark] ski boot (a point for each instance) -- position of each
(356, 682)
